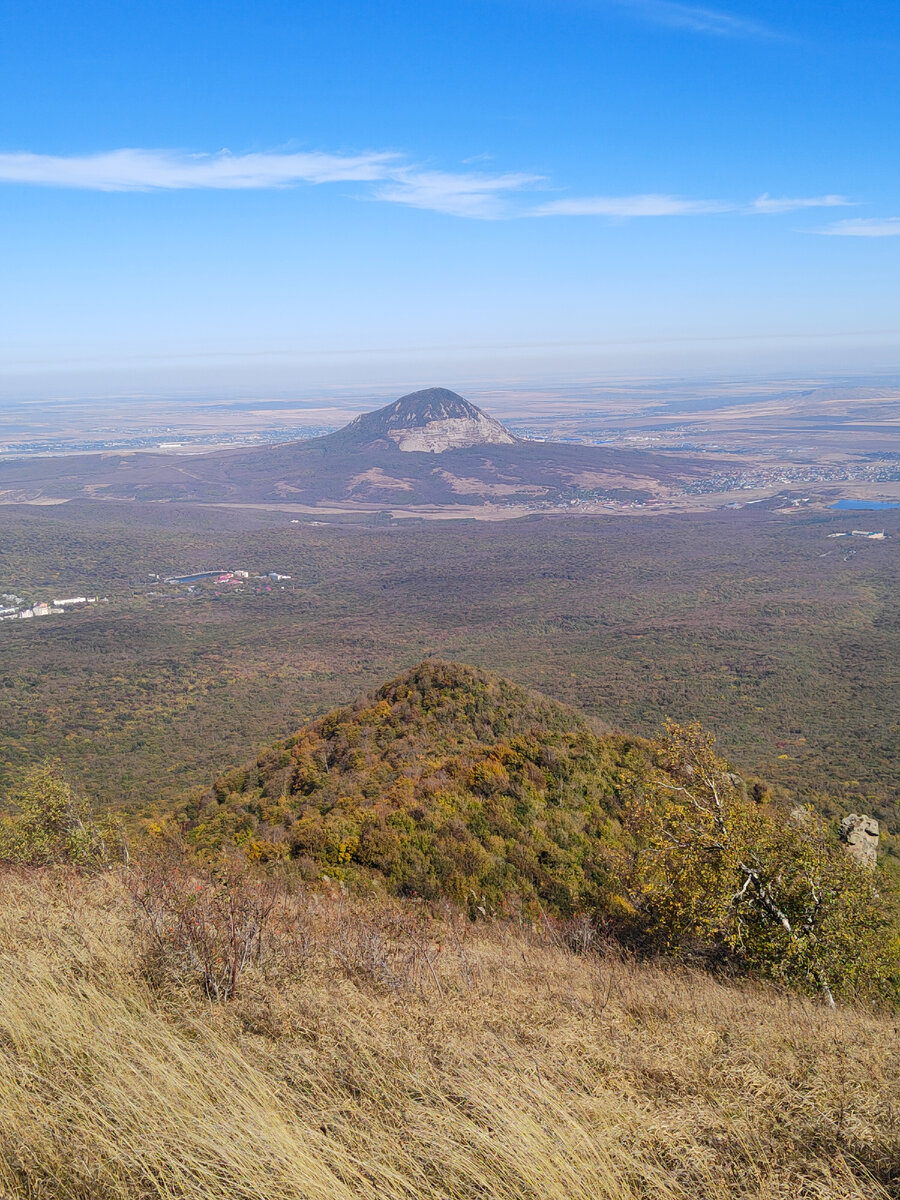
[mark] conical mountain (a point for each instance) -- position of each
(430, 421)
(431, 447)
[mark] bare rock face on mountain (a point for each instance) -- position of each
(860, 835)
(430, 421)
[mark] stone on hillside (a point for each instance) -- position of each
(860, 835)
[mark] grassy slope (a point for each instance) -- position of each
(383, 1056)
(733, 618)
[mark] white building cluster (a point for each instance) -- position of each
(14, 608)
(875, 534)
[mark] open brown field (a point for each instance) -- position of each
(381, 1051)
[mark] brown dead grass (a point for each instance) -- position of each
(376, 1052)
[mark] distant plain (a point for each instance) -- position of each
(828, 438)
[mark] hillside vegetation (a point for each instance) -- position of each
(375, 1053)
(734, 619)
(448, 783)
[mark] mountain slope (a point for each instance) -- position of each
(427, 448)
(445, 781)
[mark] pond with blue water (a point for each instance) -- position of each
(867, 504)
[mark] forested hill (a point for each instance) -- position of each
(448, 783)
(445, 781)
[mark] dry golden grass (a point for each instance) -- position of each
(375, 1053)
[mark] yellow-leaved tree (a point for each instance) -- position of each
(720, 869)
(51, 822)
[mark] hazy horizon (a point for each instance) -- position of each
(510, 370)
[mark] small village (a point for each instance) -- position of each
(15, 608)
(877, 535)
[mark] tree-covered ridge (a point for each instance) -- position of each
(445, 781)
(449, 783)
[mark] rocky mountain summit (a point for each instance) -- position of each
(431, 421)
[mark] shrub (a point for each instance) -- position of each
(203, 924)
(52, 823)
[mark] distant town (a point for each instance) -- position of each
(234, 578)
(220, 582)
(15, 608)
(877, 534)
(168, 442)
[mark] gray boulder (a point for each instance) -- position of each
(860, 836)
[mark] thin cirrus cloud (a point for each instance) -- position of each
(150, 170)
(786, 204)
(649, 205)
(872, 227)
(389, 177)
(653, 205)
(465, 194)
(458, 195)
(696, 18)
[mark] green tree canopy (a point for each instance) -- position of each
(51, 823)
(718, 868)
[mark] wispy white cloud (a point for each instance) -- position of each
(786, 204)
(459, 195)
(644, 205)
(653, 205)
(386, 175)
(697, 18)
(148, 170)
(463, 194)
(873, 227)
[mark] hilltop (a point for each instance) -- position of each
(446, 781)
(433, 420)
(449, 783)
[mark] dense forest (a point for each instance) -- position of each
(780, 640)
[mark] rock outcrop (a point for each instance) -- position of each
(430, 421)
(860, 836)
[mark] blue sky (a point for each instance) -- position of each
(283, 194)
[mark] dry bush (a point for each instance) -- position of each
(388, 947)
(510, 1068)
(204, 924)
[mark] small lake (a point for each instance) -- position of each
(868, 504)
